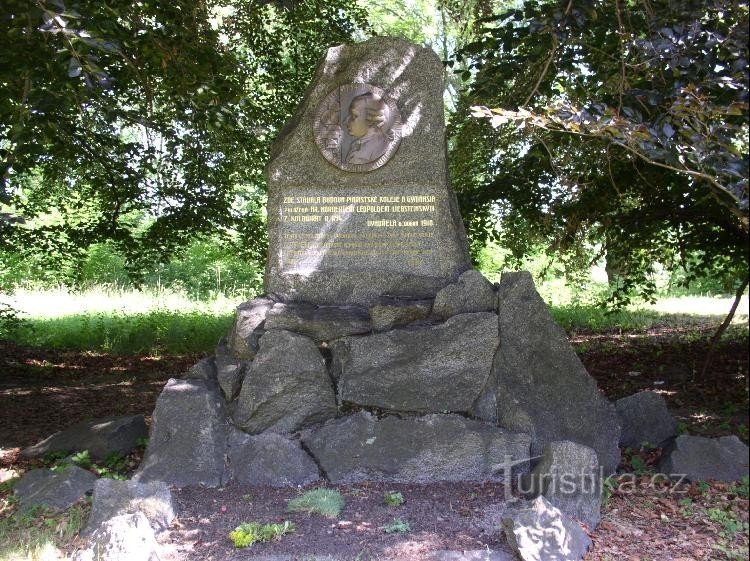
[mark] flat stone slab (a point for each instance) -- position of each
(541, 387)
(188, 440)
(319, 323)
(101, 437)
(116, 498)
(287, 386)
(698, 458)
(425, 369)
(58, 490)
(270, 459)
(389, 313)
(645, 420)
(413, 450)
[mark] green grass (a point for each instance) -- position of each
(119, 321)
(250, 533)
(38, 534)
(327, 502)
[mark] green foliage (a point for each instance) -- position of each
(327, 502)
(393, 498)
(620, 133)
(729, 523)
(82, 459)
(250, 533)
(147, 124)
(743, 488)
(397, 526)
(10, 321)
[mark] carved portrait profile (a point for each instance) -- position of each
(357, 127)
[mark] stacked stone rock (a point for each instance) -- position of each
(297, 392)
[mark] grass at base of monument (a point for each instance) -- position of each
(150, 322)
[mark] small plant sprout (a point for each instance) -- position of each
(393, 498)
(327, 502)
(397, 526)
(250, 533)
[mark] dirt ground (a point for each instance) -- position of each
(44, 391)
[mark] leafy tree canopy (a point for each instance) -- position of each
(614, 128)
(147, 123)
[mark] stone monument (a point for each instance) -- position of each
(377, 352)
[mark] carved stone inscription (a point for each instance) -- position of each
(357, 127)
(325, 231)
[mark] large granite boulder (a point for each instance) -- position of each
(204, 369)
(286, 387)
(247, 329)
(270, 459)
(319, 323)
(389, 313)
(230, 372)
(115, 498)
(413, 450)
(57, 490)
(101, 437)
(568, 477)
(645, 419)
(403, 234)
(470, 293)
(540, 386)
(698, 458)
(537, 531)
(188, 436)
(428, 368)
(127, 537)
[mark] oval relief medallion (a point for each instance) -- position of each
(357, 127)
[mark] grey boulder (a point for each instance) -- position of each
(645, 419)
(388, 313)
(127, 537)
(540, 385)
(270, 459)
(568, 477)
(470, 293)
(101, 437)
(188, 437)
(319, 323)
(698, 458)
(537, 531)
(247, 328)
(414, 450)
(115, 498)
(229, 372)
(204, 369)
(58, 490)
(286, 387)
(426, 369)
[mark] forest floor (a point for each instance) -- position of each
(42, 391)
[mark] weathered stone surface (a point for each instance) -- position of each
(188, 436)
(411, 244)
(568, 477)
(56, 490)
(248, 327)
(319, 323)
(541, 386)
(699, 458)
(645, 419)
(127, 537)
(230, 372)
(388, 313)
(114, 498)
(270, 459)
(204, 369)
(470, 293)
(428, 368)
(101, 437)
(416, 450)
(538, 531)
(286, 387)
